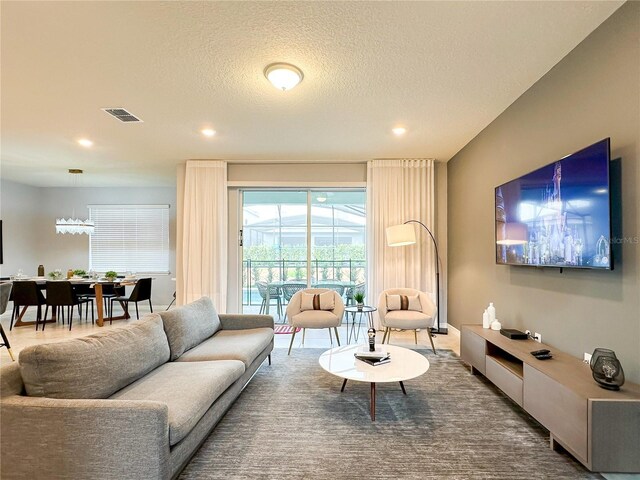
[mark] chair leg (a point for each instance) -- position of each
(262, 306)
(431, 340)
(269, 359)
(415, 334)
(6, 343)
(93, 319)
(293, 335)
(137, 314)
(388, 335)
(111, 312)
(70, 310)
(150, 306)
(304, 332)
(335, 329)
(330, 336)
(384, 337)
(13, 315)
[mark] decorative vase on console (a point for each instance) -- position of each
(485, 320)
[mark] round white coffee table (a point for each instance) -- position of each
(404, 365)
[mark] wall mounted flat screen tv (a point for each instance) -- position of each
(558, 215)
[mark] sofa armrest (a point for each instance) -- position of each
(238, 321)
(82, 439)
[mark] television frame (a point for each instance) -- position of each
(609, 200)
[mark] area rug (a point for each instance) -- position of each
(284, 329)
(292, 422)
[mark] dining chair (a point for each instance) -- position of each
(140, 293)
(274, 294)
(26, 294)
(308, 313)
(5, 292)
(109, 290)
(405, 316)
(60, 295)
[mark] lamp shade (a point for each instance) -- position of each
(399, 235)
(512, 234)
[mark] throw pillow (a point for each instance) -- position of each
(190, 325)
(317, 301)
(404, 302)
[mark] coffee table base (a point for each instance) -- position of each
(372, 401)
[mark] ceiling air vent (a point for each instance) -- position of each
(122, 115)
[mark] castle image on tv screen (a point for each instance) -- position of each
(558, 215)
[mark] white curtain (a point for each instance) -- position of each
(397, 191)
(201, 252)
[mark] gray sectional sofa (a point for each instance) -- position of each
(128, 403)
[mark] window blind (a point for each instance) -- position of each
(129, 238)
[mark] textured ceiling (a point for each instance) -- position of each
(444, 70)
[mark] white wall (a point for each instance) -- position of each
(30, 238)
(19, 211)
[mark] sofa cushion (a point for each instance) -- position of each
(97, 365)
(188, 390)
(315, 319)
(244, 345)
(407, 319)
(188, 325)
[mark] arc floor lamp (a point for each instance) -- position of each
(405, 234)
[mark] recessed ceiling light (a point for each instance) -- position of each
(399, 131)
(283, 76)
(208, 132)
(85, 142)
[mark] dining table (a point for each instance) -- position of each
(95, 283)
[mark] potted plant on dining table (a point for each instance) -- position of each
(111, 276)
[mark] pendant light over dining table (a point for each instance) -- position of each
(74, 225)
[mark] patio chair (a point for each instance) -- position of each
(351, 291)
(336, 287)
(274, 294)
(289, 290)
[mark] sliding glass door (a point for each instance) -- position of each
(293, 239)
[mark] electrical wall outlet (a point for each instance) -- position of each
(537, 337)
(528, 332)
(587, 357)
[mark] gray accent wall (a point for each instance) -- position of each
(593, 93)
(30, 239)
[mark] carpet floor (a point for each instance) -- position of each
(292, 422)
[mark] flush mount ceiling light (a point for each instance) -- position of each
(399, 131)
(208, 132)
(283, 76)
(85, 142)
